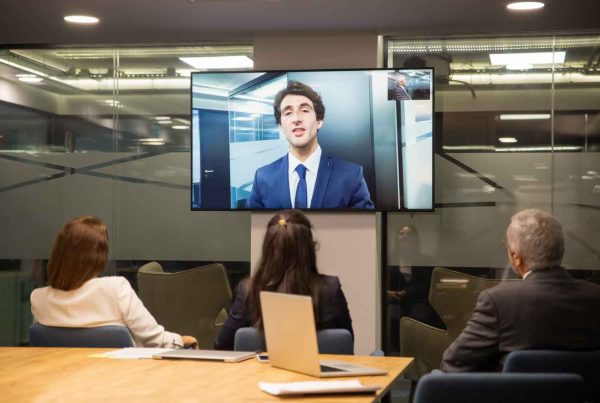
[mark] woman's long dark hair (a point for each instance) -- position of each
(288, 263)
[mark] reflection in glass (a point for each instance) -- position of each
(103, 132)
(518, 123)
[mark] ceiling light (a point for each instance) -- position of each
(81, 19)
(107, 84)
(218, 62)
(507, 140)
(35, 72)
(527, 58)
(164, 122)
(533, 149)
(29, 78)
(180, 127)
(151, 141)
(162, 118)
(525, 116)
(470, 148)
(523, 78)
(523, 66)
(525, 5)
(116, 104)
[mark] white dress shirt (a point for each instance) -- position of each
(101, 301)
(312, 167)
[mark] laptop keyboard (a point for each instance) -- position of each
(325, 368)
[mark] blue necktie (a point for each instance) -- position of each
(301, 198)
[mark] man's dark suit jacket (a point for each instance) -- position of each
(547, 310)
(333, 311)
(339, 184)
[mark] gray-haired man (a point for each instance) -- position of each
(548, 309)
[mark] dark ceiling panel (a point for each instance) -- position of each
(169, 21)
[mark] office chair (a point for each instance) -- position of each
(102, 336)
(499, 388)
(191, 302)
(583, 363)
(330, 341)
(249, 339)
(335, 341)
(453, 296)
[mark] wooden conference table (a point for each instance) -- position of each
(29, 374)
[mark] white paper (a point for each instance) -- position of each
(293, 388)
(133, 353)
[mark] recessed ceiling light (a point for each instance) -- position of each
(31, 79)
(151, 141)
(218, 62)
(525, 5)
(507, 140)
(524, 66)
(162, 118)
(110, 102)
(525, 116)
(177, 127)
(81, 19)
(527, 58)
(164, 122)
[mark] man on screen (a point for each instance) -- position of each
(400, 92)
(306, 177)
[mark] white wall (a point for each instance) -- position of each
(348, 242)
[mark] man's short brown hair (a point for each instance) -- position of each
(297, 88)
(80, 253)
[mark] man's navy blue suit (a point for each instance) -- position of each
(339, 184)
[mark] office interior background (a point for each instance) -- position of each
(96, 120)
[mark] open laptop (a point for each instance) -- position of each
(211, 355)
(291, 338)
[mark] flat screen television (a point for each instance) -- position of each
(364, 139)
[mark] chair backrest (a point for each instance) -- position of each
(103, 336)
(453, 295)
(330, 341)
(191, 302)
(500, 388)
(249, 339)
(583, 363)
(335, 341)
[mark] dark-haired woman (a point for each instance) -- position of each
(76, 297)
(288, 264)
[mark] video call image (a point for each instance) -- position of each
(409, 85)
(318, 140)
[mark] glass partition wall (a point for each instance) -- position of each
(103, 132)
(517, 126)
